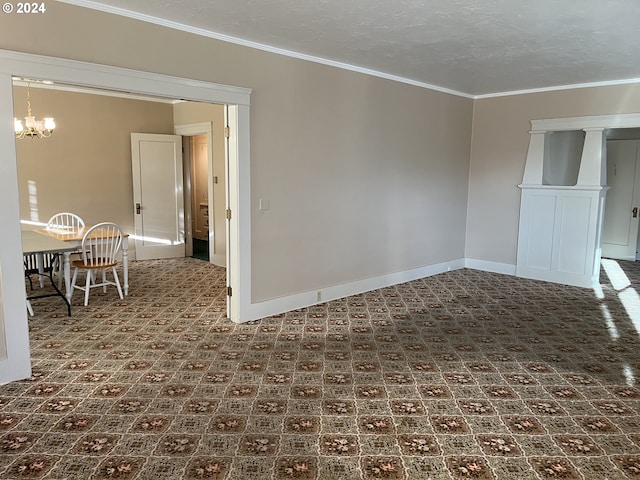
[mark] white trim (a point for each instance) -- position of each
(15, 362)
(487, 266)
(93, 91)
(239, 246)
(86, 74)
(555, 188)
(305, 299)
(259, 46)
(556, 88)
(593, 122)
(191, 129)
(332, 63)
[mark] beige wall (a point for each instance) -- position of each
(499, 148)
(85, 166)
(364, 176)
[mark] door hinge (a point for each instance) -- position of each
(229, 291)
(228, 214)
(227, 132)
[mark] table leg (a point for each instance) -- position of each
(125, 264)
(67, 275)
(40, 261)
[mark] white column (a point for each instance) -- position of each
(592, 168)
(535, 159)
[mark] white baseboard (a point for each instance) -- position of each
(306, 299)
(493, 267)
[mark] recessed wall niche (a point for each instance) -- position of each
(562, 155)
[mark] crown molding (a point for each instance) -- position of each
(345, 66)
(559, 88)
(259, 46)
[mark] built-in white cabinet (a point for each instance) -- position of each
(562, 204)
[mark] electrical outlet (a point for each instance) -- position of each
(319, 296)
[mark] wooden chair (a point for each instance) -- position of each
(65, 223)
(100, 247)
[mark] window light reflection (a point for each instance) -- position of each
(32, 188)
(631, 302)
(628, 375)
(611, 326)
(33, 223)
(617, 277)
(160, 241)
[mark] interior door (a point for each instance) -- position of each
(157, 195)
(621, 213)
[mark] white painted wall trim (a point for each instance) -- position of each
(324, 61)
(570, 188)
(94, 75)
(239, 245)
(96, 91)
(558, 88)
(623, 120)
(192, 129)
(15, 361)
(305, 299)
(259, 46)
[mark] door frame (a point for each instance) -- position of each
(15, 360)
(190, 130)
(614, 251)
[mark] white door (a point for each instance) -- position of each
(157, 195)
(621, 212)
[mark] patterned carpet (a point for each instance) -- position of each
(464, 375)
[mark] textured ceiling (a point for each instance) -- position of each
(474, 47)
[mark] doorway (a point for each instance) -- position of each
(206, 183)
(622, 207)
(200, 208)
(15, 361)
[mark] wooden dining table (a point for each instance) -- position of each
(73, 238)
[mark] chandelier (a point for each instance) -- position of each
(33, 128)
